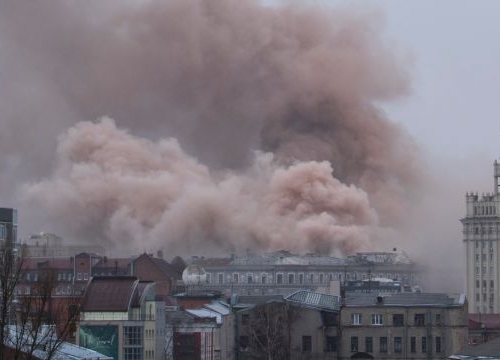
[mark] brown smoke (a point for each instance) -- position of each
(226, 78)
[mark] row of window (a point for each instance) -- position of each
(478, 284)
(483, 270)
(63, 276)
(483, 243)
(484, 210)
(397, 319)
(383, 347)
(292, 278)
(149, 334)
(483, 257)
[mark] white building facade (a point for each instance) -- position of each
(481, 236)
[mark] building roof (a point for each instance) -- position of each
(315, 300)
(109, 293)
(487, 350)
(107, 263)
(47, 263)
(166, 268)
(65, 351)
(404, 299)
(284, 257)
(206, 313)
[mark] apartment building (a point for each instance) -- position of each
(403, 326)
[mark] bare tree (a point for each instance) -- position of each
(37, 321)
(45, 321)
(269, 331)
(10, 271)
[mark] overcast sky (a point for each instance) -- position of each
(454, 110)
(450, 49)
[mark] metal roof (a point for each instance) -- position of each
(314, 299)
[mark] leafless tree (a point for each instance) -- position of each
(34, 321)
(10, 271)
(269, 331)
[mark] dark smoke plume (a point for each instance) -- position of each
(226, 78)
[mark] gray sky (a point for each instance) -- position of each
(454, 109)
(451, 53)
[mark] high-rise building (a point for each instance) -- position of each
(481, 236)
(8, 226)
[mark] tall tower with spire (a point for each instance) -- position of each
(481, 236)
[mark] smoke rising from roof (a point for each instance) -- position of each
(236, 111)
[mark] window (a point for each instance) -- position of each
(221, 278)
(264, 278)
(235, 278)
(311, 278)
(477, 257)
(85, 276)
(244, 319)
(279, 278)
(438, 344)
(356, 319)
(331, 344)
(79, 276)
(132, 353)
(424, 344)
(477, 297)
(376, 319)
(249, 278)
(321, 278)
(244, 342)
(301, 278)
(368, 344)
(354, 343)
(306, 343)
(291, 278)
(398, 344)
(186, 346)
(413, 344)
(383, 344)
(208, 278)
(419, 320)
(132, 335)
(477, 284)
(398, 320)
(438, 319)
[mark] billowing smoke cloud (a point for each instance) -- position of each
(226, 79)
(132, 189)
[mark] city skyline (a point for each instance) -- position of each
(447, 51)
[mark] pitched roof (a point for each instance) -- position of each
(109, 293)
